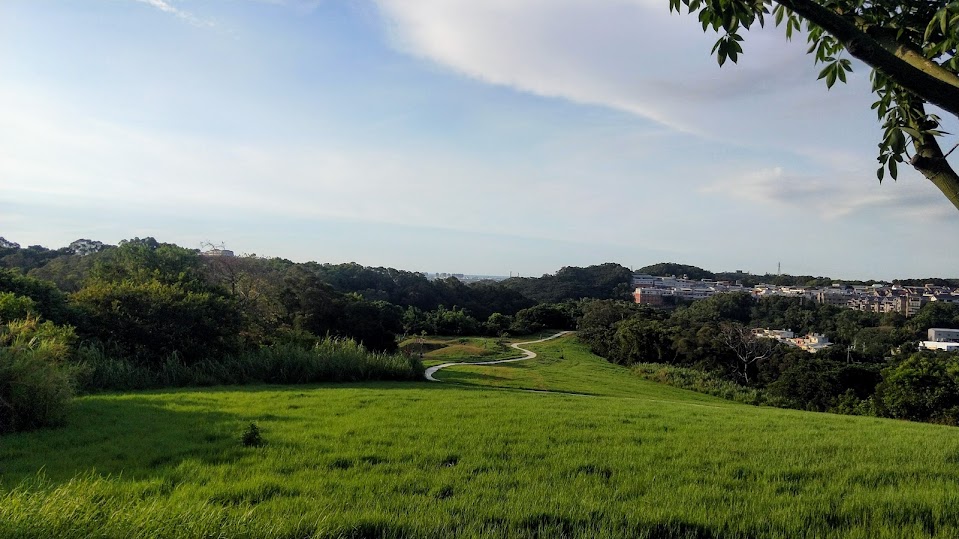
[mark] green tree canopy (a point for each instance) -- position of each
(911, 47)
(672, 268)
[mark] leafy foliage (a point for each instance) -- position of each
(47, 301)
(924, 387)
(911, 48)
(36, 378)
(671, 268)
(151, 320)
(604, 281)
(252, 437)
(713, 336)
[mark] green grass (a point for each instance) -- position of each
(566, 365)
(438, 350)
(632, 459)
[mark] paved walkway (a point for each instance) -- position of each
(527, 354)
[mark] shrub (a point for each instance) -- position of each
(36, 381)
(151, 320)
(48, 301)
(701, 382)
(326, 360)
(924, 387)
(251, 436)
(14, 307)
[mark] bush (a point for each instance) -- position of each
(47, 301)
(326, 360)
(14, 307)
(924, 387)
(36, 381)
(152, 320)
(701, 382)
(251, 436)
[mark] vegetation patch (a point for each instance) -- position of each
(699, 381)
(435, 350)
(600, 452)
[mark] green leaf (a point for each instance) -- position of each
(831, 77)
(914, 133)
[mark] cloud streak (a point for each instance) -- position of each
(634, 56)
(166, 7)
(833, 198)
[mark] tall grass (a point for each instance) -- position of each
(401, 460)
(36, 382)
(701, 382)
(329, 360)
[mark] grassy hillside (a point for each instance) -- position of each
(608, 455)
(436, 350)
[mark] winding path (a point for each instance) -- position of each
(527, 354)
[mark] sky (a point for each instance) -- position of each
(497, 137)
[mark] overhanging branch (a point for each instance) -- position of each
(922, 83)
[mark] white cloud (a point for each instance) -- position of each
(634, 56)
(167, 7)
(834, 197)
(53, 155)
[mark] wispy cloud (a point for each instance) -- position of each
(631, 55)
(166, 7)
(835, 197)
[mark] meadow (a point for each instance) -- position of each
(566, 445)
(434, 350)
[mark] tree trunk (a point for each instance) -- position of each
(931, 162)
(938, 86)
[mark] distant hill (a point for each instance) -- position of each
(605, 281)
(672, 268)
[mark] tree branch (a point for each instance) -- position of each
(887, 39)
(931, 162)
(925, 84)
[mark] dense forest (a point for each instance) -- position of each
(873, 368)
(92, 317)
(143, 313)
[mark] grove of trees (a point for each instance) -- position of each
(144, 313)
(873, 367)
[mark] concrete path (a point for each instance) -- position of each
(527, 354)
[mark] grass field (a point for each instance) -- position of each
(436, 350)
(600, 453)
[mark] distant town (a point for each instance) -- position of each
(877, 298)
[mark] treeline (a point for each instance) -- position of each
(873, 367)
(370, 304)
(92, 317)
(745, 278)
(750, 279)
(603, 281)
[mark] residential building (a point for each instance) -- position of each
(943, 335)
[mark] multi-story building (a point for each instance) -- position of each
(876, 298)
(943, 335)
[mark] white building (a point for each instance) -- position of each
(943, 335)
(936, 345)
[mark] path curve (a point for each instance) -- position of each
(527, 354)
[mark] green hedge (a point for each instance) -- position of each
(328, 360)
(36, 378)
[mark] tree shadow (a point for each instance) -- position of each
(133, 436)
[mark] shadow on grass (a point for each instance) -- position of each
(471, 377)
(138, 435)
(131, 436)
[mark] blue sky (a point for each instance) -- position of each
(447, 135)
